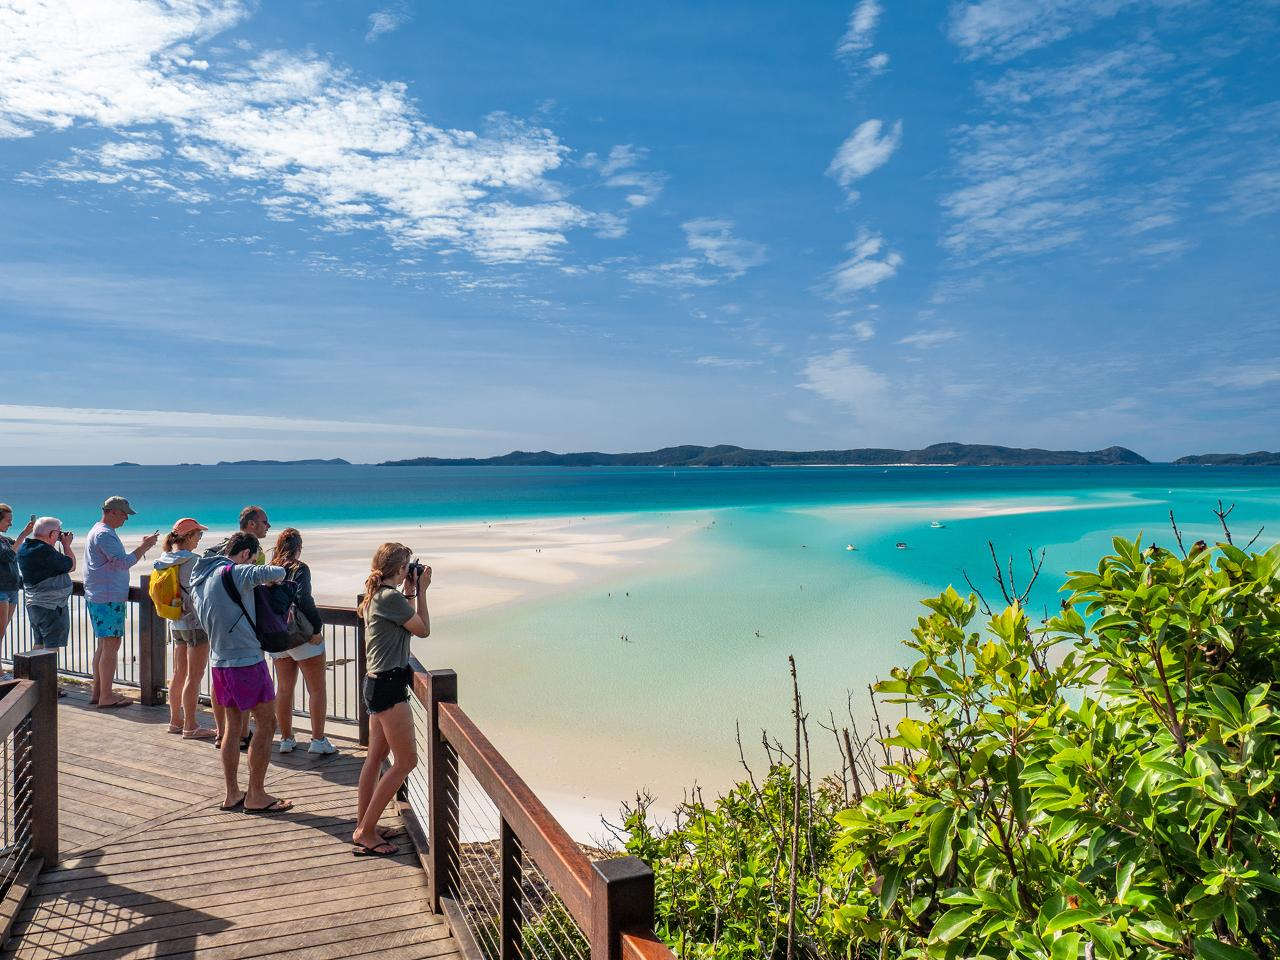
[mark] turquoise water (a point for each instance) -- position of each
(757, 570)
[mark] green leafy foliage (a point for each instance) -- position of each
(1099, 785)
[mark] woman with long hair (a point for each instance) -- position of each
(10, 578)
(190, 642)
(307, 659)
(392, 617)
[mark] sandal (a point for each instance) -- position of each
(115, 704)
(383, 849)
(232, 806)
(176, 728)
(275, 806)
(199, 733)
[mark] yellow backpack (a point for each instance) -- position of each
(166, 592)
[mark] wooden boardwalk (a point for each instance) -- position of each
(151, 868)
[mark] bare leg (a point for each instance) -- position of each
(6, 615)
(219, 716)
(257, 798)
(197, 657)
(104, 671)
(314, 673)
(286, 684)
(397, 727)
(378, 751)
(177, 684)
(231, 758)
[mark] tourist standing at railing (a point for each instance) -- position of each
(190, 642)
(106, 593)
(392, 617)
(307, 659)
(223, 590)
(45, 561)
(10, 575)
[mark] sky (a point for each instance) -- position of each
(390, 229)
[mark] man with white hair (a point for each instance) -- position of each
(45, 561)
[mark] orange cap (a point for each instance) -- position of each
(188, 525)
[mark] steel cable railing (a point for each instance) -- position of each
(18, 759)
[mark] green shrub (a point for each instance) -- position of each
(1100, 785)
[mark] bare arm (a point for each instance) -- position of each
(64, 544)
(26, 532)
(420, 623)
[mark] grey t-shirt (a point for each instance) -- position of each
(386, 639)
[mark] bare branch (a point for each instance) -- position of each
(1255, 538)
(986, 607)
(1178, 535)
(1222, 518)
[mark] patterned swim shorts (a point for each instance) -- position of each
(107, 619)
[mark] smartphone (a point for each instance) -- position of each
(33, 519)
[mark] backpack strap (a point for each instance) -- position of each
(229, 584)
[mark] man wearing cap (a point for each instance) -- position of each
(106, 592)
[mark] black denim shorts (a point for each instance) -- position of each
(384, 690)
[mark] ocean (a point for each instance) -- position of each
(642, 678)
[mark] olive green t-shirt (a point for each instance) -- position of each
(386, 639)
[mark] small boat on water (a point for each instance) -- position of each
(900, 545)
(850, 546)
(936, 525)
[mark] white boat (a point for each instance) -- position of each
(850, 546)
(900, 545)
(936, 525)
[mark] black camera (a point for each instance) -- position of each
(415, 569)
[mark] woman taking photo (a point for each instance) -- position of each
(190, 642)
(10, 578)
(308, 658)
(391, 617)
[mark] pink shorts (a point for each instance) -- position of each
(243, 687)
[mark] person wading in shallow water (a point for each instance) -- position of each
(392, 616)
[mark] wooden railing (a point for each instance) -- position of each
(512, 883)
(144, 664)
(29, 743)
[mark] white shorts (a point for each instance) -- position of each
(304, 652)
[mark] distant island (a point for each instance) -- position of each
(126, 463)
(335, 462)
(940, 454)
(1259, 458)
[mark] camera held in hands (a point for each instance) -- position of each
(416, 569)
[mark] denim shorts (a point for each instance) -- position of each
(192, 637)
(49, 628)
(107, 619)
(382, 691)
(9, 596)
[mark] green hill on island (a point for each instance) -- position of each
(1259, 458)
(941, 454)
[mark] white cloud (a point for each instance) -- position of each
(726, 362)
(35, 419)
(619, 170)
(1245, 376)
(302, 136)
(842, 379)
(864, 330)
(926, 339)
(878, 63)
(714, 240)
(385, 21)
(867, 265)
(1004, 29)
(861, 30)
(681, 272)
(862, 152)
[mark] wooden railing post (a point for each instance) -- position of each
(621, 898)
(153, 668)
(362, 668)
(442, 788)
(512, 868)
(41, 666)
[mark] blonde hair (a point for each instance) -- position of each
(172, 539)
(5, 508)
(387, 561)
(288, 549)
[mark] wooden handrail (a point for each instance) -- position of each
(549, 844)
(17, 697)
(611, 900)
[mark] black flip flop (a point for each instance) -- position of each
(278, 805)
(234, 806)
(360, 850)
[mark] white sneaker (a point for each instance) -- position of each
(287, 744)
(322, 746)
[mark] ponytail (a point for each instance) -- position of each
(387, 561)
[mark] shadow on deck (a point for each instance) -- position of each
(152, 868)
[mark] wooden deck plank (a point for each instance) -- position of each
(160, 872)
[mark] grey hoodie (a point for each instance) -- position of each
(181, 559)
(232, 642)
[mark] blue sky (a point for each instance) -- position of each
(389, 229)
